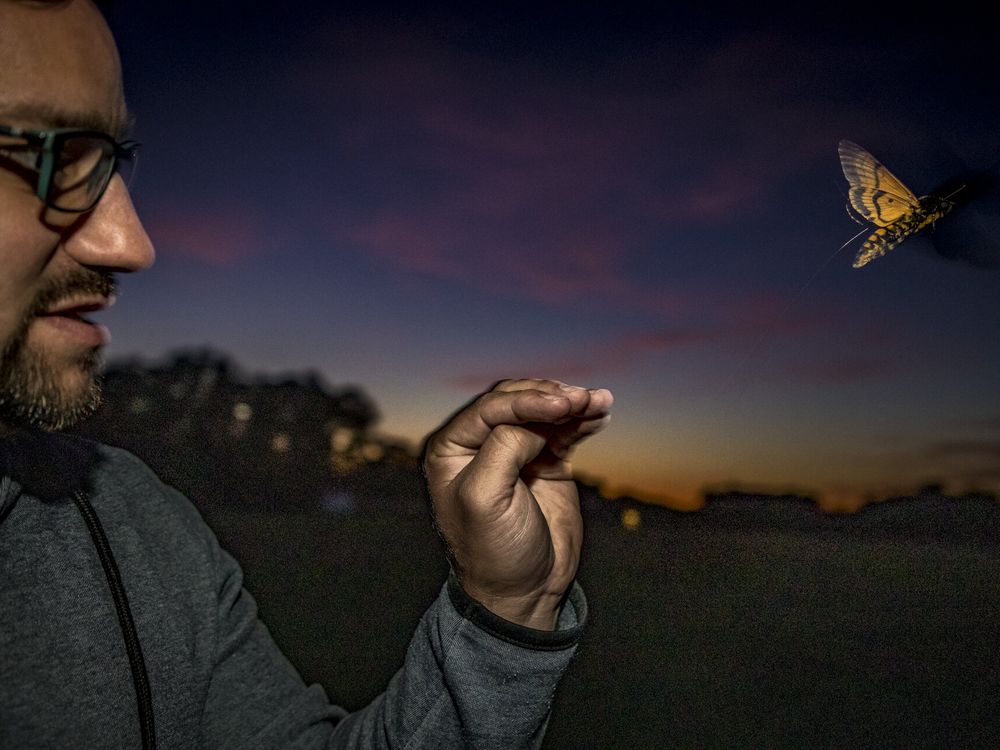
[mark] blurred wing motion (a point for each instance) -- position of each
(878, 196)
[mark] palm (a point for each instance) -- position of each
(502, 489)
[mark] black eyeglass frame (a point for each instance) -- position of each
(50, 143)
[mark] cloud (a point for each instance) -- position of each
(511, 137)
(554, 265)
(218, 238)
(599, 359)
(750, 320)
(531, 178)
(724, 320)
(962, 449)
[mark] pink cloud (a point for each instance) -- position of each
(771, 314)
(215, 238)
(753, 319)
(601, 357)
(537, 188)
(509, 137)
(549, 189)
(711, 132)
(549, 264)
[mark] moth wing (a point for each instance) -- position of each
(875, 193)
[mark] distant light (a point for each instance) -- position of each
(242, 412)
(281, 442)
(372, 452)
(140, 404)
(631, 519)
(341, 440)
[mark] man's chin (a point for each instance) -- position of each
(35, 394)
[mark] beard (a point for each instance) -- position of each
(31, 390)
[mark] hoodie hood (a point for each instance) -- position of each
(49, 466)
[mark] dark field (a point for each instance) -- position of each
(703, 632)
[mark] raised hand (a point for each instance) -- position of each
(503, 494)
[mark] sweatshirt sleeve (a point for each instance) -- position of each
(469, 680)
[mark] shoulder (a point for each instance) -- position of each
(126, 491)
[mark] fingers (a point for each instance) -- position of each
(595, 398)
(589, 415)
(519, 402)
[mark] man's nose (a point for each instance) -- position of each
(111, 236)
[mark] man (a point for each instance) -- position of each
(122, 623)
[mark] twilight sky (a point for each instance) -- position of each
(423, 202)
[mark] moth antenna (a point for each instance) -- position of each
(956, 191)
(848, 243)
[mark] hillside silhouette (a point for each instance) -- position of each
(292, 443)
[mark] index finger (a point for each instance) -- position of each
(468, 429)
(587, 402)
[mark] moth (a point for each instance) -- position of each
(879, 197)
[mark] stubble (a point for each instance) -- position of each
(32, 391)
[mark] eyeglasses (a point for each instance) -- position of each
(69, 169)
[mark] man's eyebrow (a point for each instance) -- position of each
(52, 117)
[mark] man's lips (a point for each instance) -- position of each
(67, 317)
(77, 307)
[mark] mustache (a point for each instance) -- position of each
(76, 282)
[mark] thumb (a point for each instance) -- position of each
(494, 471)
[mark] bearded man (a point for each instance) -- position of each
(122, 622)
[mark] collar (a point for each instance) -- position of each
(50, 466)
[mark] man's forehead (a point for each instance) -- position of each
(59, 67)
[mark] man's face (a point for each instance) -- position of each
(58, 68)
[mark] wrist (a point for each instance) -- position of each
(572, 618)
(528, 612)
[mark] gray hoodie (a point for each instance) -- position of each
(212, 674)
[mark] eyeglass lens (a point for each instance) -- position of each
(82, 169)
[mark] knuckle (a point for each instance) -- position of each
(482, 404)
(509, 435)
(495, 402)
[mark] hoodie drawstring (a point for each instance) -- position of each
(140, 678)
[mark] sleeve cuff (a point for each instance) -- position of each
(567, 633)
